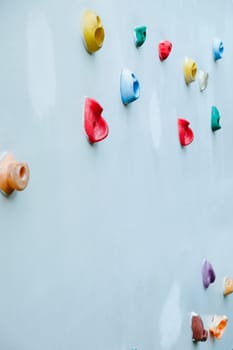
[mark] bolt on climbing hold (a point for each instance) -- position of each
(208, 274)
(203, 80)
(217, 49)
(164, 49)
(190, 70)
(93, 31)
(228, 286)
(13, 175)
(95, 125)
(215, 119)
(140, 35)
(186, 134)
(129, 87)
(199, 333)
(218, 326)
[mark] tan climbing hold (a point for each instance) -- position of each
(228, 286)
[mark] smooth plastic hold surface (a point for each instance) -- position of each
(190, 70)
(228, 286)
(95, 125)
(218, 326)
(129, 87)
(208, 274)
(140, 35)
(215, 119)
(93, 31)
(217, 49)
(186, 134)
(164, 49)
(203, 80)
(13, 175)
(199, 333)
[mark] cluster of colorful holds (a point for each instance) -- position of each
(218, 323)
(95, 125)
(96, 129)
(186, 135)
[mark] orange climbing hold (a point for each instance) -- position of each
(218, 326)
(13, 175)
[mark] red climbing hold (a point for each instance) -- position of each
(186, 135)
(95, 125)
(164, 49)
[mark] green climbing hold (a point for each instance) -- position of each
(215, 119)
(140, 35)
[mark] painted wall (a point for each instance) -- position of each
(104, 248)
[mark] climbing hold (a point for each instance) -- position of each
(164, 49)
(190, 70)
(199, 333)
(228, 286)
(13, 175)
(129, 87)
(218, 326)
(93, 31)
(215, 119)
(208, 274)
(140, 35)
(203, 80)
(95, 125)
(186, 135)
(217, 49)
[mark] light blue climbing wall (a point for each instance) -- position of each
(103, 250)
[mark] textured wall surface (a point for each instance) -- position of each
(103, 250)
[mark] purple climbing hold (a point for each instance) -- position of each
(208, 274)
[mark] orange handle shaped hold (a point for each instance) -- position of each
(13, 175)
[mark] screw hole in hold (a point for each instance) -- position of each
(22, 171)
(136, 88)
(194, 70)
(99, 36)
(221, 48)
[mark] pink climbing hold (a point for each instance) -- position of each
(164, 49)
(95, 125)
(186, 135)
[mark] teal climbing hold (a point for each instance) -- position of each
(215, 119)
(140, 35)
